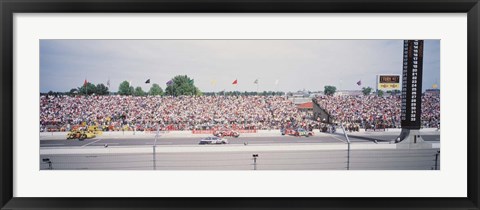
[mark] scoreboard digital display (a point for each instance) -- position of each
(389, 79)
(412, 84)
(388, 82)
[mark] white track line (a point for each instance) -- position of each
(91, 143)
(339, 139)
(213, 148)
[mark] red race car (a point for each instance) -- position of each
(288, 131)
(221, 133)
(297, 132)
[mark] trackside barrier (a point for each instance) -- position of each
(203, 133)
(211, 131)
(239, 157)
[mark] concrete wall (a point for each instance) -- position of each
(150, 134)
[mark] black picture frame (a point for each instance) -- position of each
(10, 7)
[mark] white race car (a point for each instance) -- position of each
(213, 140)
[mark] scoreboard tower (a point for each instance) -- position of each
(411, 94)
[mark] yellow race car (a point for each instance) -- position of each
(80, 135)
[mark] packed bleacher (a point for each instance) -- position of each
(377, 112)
(170, 113)
(115, 113)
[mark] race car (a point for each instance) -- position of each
(213, 140)
(80, 135)
(221, 133)
(288, 131)
(303, 132)
(297, 132)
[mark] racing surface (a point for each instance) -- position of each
(142, 141)
(377, 152)
(267, 160)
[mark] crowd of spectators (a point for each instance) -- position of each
(116, 112)
(170, 113)
(377, 112)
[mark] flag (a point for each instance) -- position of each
(235, 82)
(213, 82)
(359, 82)
(147, 82)
(276, 82)
(434, 86)
(256, 82)
(170, 82)
(85, 83)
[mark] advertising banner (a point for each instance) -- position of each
(211, 131)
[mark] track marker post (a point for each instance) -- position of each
(255, 156)
(436, 159)
(47, 160)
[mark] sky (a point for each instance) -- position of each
(295, 64)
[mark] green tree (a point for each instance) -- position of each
(329, 90)
(138, 91)
(380, 93)
(89, 89)
(182, 85)
(101, 89)
(125, 88)
(366, 90)
(73, 91)
(155, 90)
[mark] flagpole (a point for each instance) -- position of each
(276, 84)
(85, 84)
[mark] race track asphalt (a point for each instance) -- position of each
(423, 159)
(288, 159)
(142, 141)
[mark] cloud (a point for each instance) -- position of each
(297, 64)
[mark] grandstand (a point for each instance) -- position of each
(61, 113)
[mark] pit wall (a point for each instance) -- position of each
(190, 134)
(162, 134)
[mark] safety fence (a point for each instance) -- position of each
(386, 159)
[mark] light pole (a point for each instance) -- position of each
(348, 142)
(154, 149)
